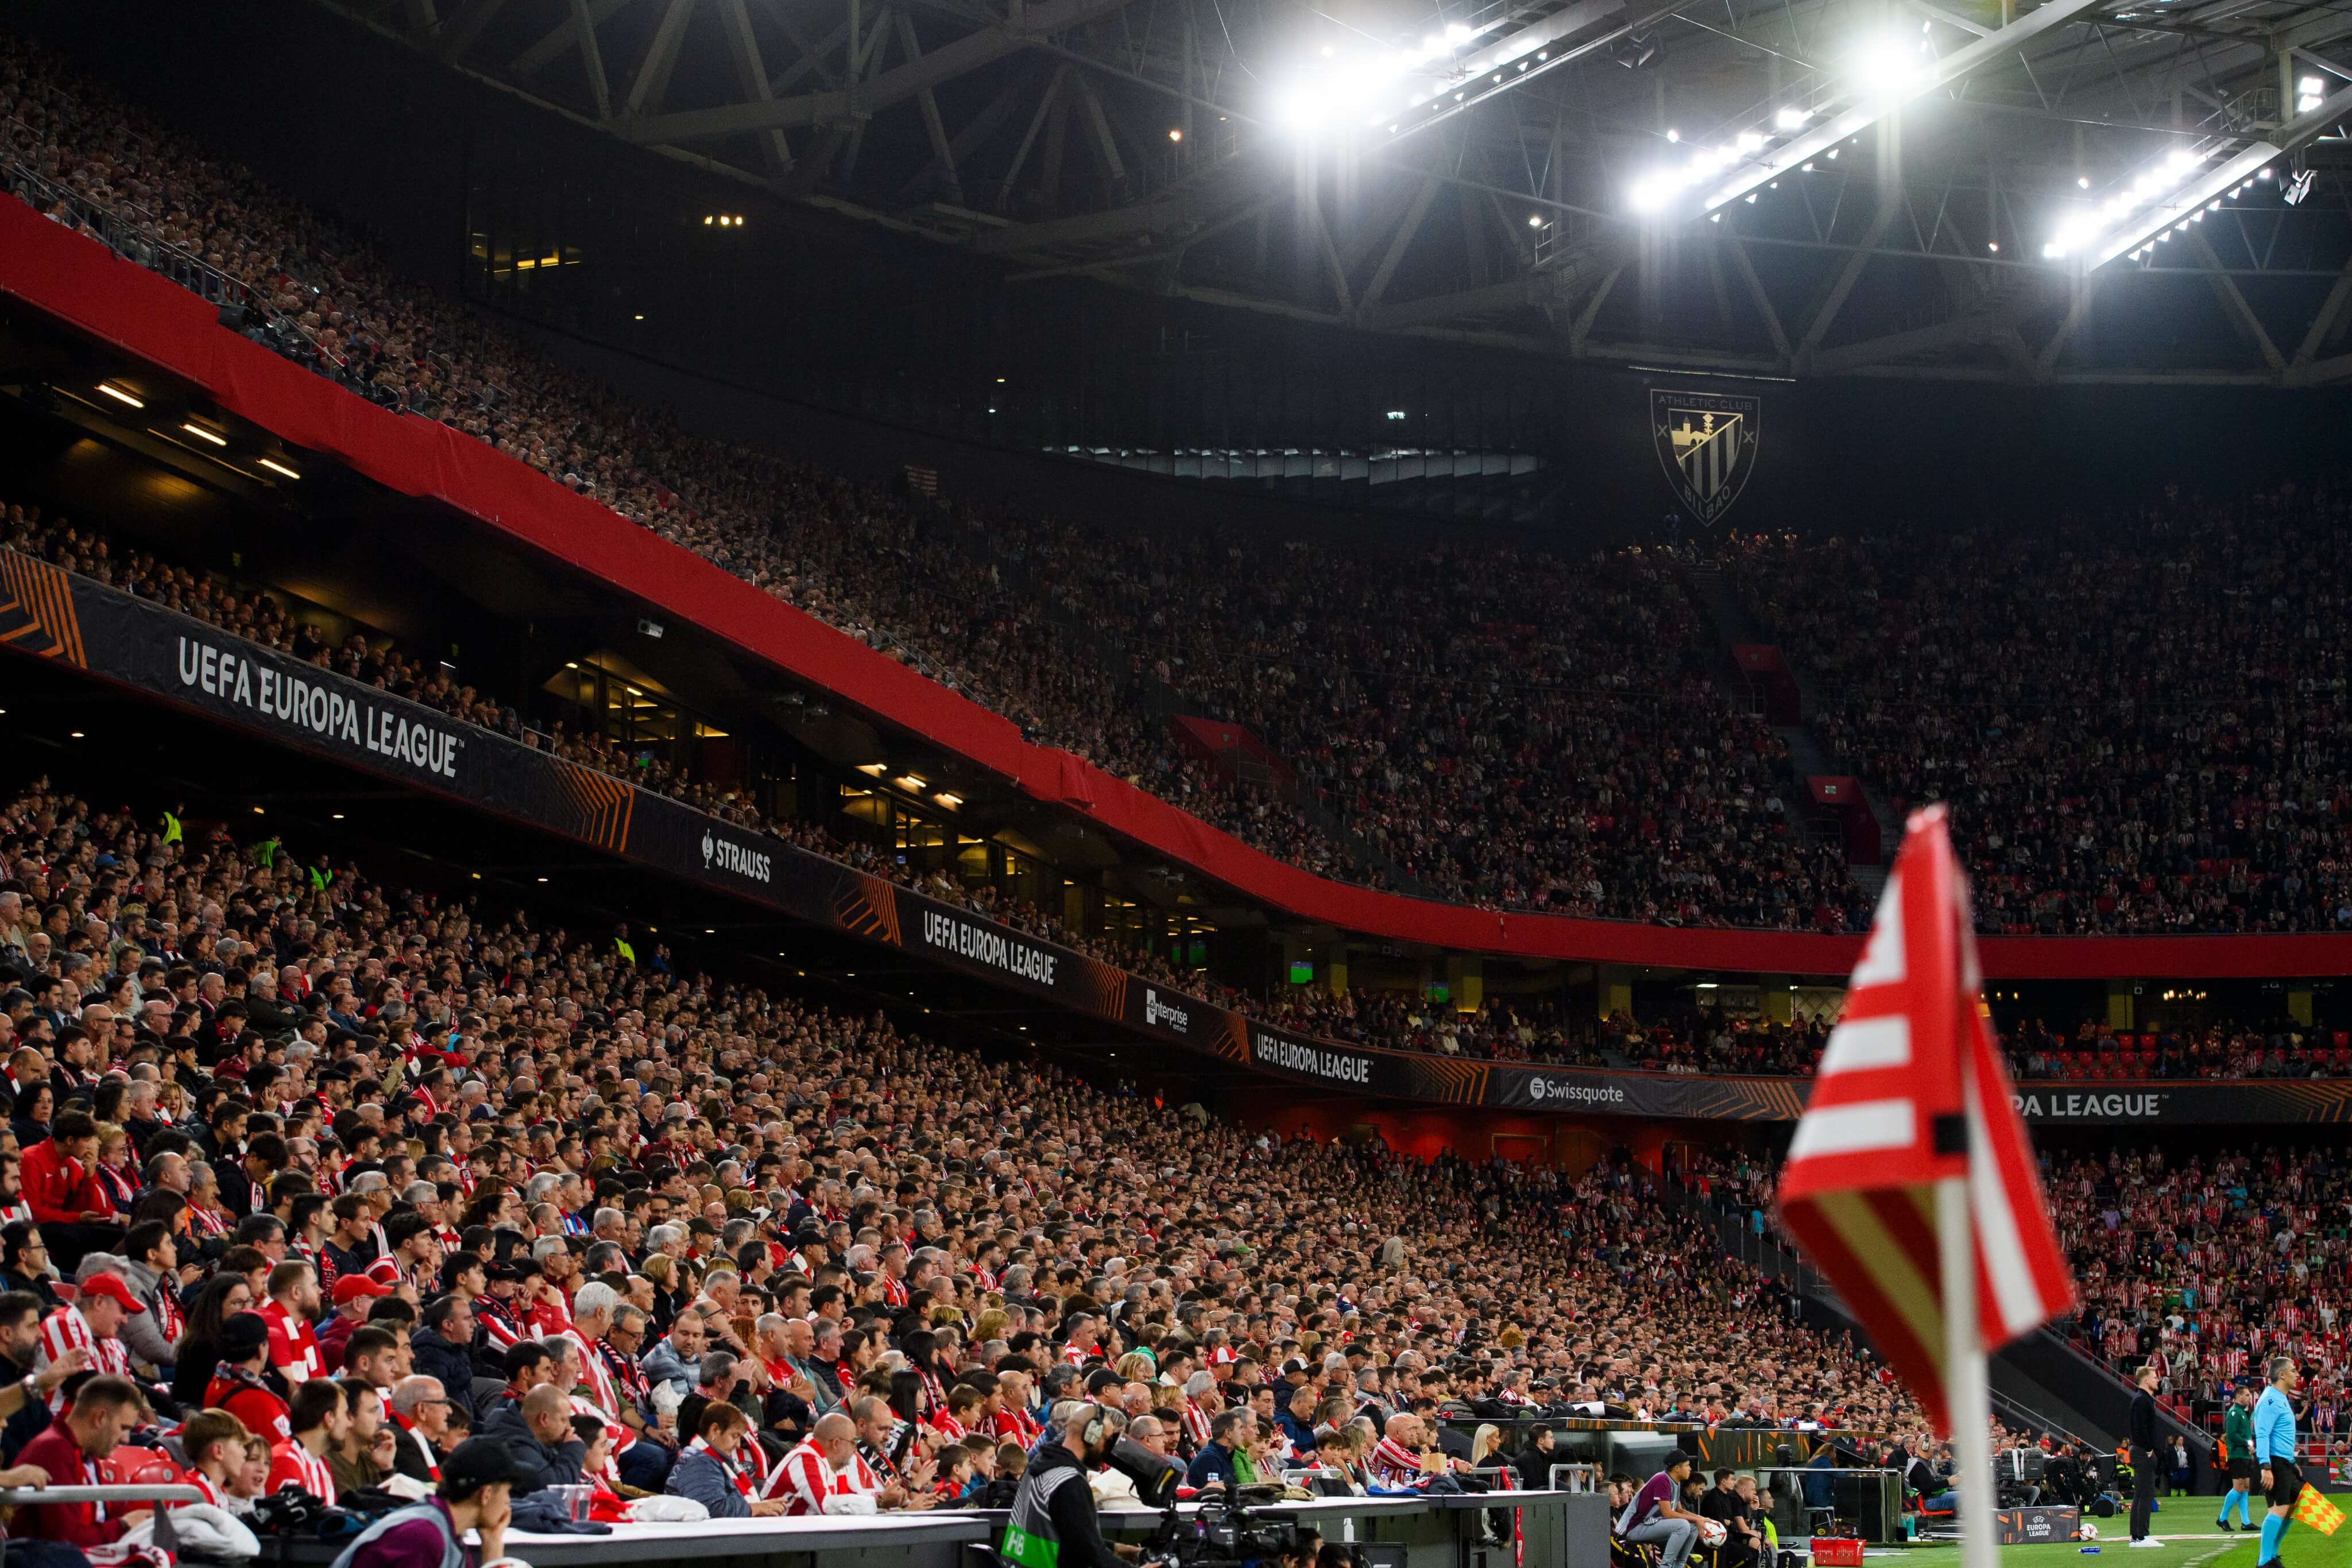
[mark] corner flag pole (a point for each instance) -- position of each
(1968, 1386)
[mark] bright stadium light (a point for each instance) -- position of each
(1369, 89)
(2161, 201)
(2167, 196)
(1888, 63)
(1877, 75)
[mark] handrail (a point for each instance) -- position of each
(166, 1535)
(118, 233)
(127, 1492)
(1580, 1477)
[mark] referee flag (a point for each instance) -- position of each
(1911, 1091)
(2312, 1508)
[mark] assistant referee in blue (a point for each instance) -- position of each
(2275, 1452)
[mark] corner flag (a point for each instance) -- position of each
(1911, 1092)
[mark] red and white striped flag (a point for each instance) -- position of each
(1911, 1091)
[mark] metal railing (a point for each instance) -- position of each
(136, 235)
(135, 1492)
(1576, 1477)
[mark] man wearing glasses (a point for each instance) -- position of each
(420, 1410)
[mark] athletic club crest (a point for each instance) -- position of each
(1707, 442)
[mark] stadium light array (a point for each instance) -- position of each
(1881, 72)
(2166, 198)
(1368, 90)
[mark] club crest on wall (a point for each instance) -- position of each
(1708, 444)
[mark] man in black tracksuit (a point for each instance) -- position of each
(2147, 1459)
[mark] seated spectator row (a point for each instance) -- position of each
(498, 1155)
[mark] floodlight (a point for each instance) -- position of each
(2160, 201)
(1887, 64)
(1792, 119)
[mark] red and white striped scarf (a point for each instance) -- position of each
(734, 1469)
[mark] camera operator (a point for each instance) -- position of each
(2064, 1477)
(1053, 1522)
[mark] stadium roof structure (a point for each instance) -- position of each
(2109, 192)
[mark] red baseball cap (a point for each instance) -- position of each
(351, 1287)
(113, 1287)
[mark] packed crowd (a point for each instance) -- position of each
(1515, 1030)
(1508, 1029)
(296, 1148)
(1510, 728)
(2209, 1264)
(2140, 721)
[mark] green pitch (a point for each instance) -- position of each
(2192, 1549)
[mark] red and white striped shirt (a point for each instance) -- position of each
(293, 1348)
(498, 1324)
(602, 1398)
(1196, 1422)
(1394, 1464)
(65, 1331)
(809, 1484)
(290, 1462)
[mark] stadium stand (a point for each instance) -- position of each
(205, 998)
(1531, 1029)
(1568, 751)
(606, 1135)
(2211, 1262)
(2206, 1262)
(2139, 719)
